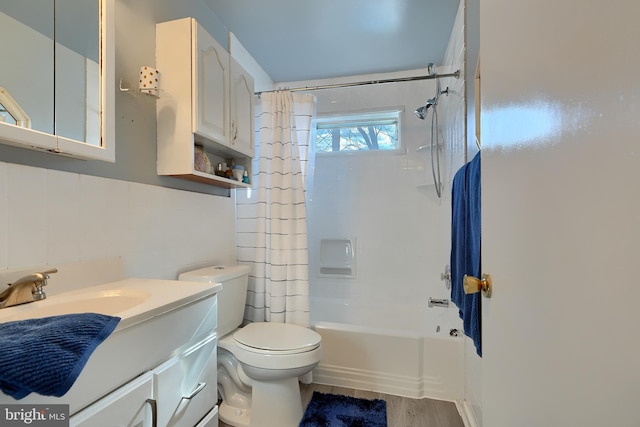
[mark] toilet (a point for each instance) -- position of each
(258, 364)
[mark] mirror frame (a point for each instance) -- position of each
(42, 141)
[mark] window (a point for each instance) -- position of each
(378, 131)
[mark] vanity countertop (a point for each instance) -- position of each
(133, 300)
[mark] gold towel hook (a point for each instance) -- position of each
(474, 285)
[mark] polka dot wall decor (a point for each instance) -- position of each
(149, 82)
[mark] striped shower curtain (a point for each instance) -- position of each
(271, 216)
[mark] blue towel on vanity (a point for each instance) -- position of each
(465, 245)
(46, 355)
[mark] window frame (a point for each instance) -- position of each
(342, 119)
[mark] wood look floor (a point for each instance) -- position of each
(401, 411)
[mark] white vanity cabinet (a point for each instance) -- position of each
(180, 391)
(206, 100)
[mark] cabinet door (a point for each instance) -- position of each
(210, 88)
(130, 405)
(241, 109)
(186, 386)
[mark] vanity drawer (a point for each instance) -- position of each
(186, 387)
(129, 405)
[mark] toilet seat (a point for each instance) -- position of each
(290, 346)
(276, 338)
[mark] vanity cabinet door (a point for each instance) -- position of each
(130, 405)
(241, 107)
(210, 420)
(186, 387)
(211, 87)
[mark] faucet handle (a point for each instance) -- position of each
(45, 274)
(35, 278)
(41, 281)
(42, 278)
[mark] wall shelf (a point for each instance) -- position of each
(207, 178)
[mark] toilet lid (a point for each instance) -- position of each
(277, 337)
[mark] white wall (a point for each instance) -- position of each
(50, 218)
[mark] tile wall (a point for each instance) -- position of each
(49, 217)
(457, 106)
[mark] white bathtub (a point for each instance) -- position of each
(393, 361)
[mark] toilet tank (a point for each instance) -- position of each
(231, 298)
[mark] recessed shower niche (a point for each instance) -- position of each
(337, 258)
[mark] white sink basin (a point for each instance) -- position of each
(109, 302)
(158, 318)
(133, 300)
(106, 301)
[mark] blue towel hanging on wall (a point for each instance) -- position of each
(465, 245)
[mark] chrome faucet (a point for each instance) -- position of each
(26, 289)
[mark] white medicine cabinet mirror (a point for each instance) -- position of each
(56, 81)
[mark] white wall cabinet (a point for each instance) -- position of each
(210, 82)
(206, 100)
(241, 108)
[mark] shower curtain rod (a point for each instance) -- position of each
(369, 82)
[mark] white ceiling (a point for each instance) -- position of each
(296, 40)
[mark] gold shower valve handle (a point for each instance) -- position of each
(473, 285)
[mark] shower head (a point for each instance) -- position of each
(421, 112)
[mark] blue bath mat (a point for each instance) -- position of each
(332, 410)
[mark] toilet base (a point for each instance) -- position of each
(273, 404)
(234, 416)
(276, 403)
